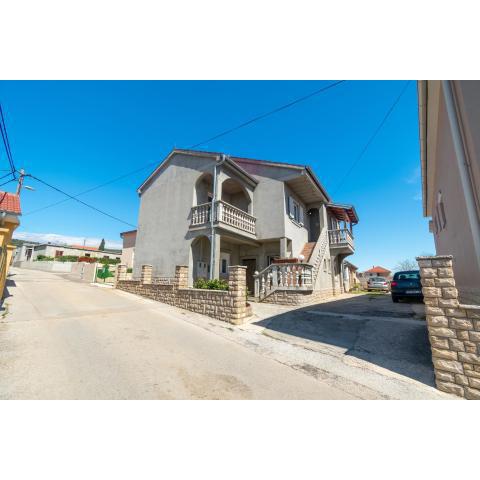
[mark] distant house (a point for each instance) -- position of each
(30, 252)
(128, 251)
(375, 271)
(349, 275)
(449, 118)
(9, 221)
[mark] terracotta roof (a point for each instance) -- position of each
(83, 247)
(10, 203)
(377, 269)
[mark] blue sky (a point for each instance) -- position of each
(76, 135)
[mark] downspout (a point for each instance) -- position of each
(463, 167)
(213, 214)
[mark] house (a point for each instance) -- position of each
(449, 118)
(128, 251)
(350, 278)
(377, 271)
(9, 221)
(56, 251)
(209, 211)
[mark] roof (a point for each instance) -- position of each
(127, 232)
(350, 265)
(343, 212)
(242, 165)
(82, 247)
(10, 203)
(377, 269)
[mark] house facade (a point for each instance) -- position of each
(9, 221)
(128, 249)
(209, 211)
(449, 118)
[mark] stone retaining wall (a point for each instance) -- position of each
(229, 306)
(453, 329)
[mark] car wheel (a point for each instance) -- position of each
(394, 299)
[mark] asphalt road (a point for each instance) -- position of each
(65, 340)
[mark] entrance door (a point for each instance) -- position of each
(314, 230)
(251, 264)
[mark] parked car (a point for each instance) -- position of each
(406, 285)
(378, 283)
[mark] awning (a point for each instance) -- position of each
(344, 213)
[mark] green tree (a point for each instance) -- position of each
(102, 245)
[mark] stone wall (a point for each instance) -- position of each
(229, 306)
(453, 329)
(298, 297)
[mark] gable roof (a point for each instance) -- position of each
(10, 203)
(377, 269)
(241, 164)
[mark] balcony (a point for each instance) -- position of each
(341, 241)
(225, 215)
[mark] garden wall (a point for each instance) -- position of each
(453, 329)
(229, 306)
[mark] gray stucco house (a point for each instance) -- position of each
(274, 218)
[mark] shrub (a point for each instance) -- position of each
(44, 258)
(215, 284)
(67, 258)
(129, 270)
(108, 261)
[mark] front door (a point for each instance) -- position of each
(251, 265)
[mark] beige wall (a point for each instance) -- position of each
(452, 231)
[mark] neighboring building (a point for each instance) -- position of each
(9, 221)
(350, 278)
(449, 117)
(377, 271)
(268, 217)
(128, 251)
(24, 252)
(55, 251)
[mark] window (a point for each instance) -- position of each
(324, 264)
(224, 266)
(295, 210)
(58, 253)
(87, 255)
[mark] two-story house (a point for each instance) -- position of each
(209, 211)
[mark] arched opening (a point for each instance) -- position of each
(200, 258)
(203, 189)
(234, 193)
(314, 224)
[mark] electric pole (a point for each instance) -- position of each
(20, 181)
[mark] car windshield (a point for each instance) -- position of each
(378, 279)
(407, 276)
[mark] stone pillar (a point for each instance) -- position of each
(121, 273)
(181, 276)
(453, 329)
(146, 274)
(237, 290)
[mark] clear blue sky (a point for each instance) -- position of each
(79, 134)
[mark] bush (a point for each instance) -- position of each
(108, 261)
(215, 284)
(129, 270)
(67, 258)
(44, 258)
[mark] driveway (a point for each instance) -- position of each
(67, 340)
(372, 328)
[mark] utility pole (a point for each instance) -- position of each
(20, 181)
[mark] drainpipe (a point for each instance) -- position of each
(212, 215)
(463, 167)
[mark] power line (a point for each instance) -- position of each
(375, 133)
(79, 201)
(271, 112)
(226, 132)
(8, 181)
(3, 129)
(91, 189)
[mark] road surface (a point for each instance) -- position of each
(61, 339)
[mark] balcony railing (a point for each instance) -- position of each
(340, 238)
(224, 213)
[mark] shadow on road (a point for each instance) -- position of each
(371, 328)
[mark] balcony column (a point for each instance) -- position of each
(215, 261)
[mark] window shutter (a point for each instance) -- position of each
(290, 206)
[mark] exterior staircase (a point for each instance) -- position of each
(307, 250)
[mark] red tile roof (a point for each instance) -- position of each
(83, 247)
(10, 203)
(377, 270)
